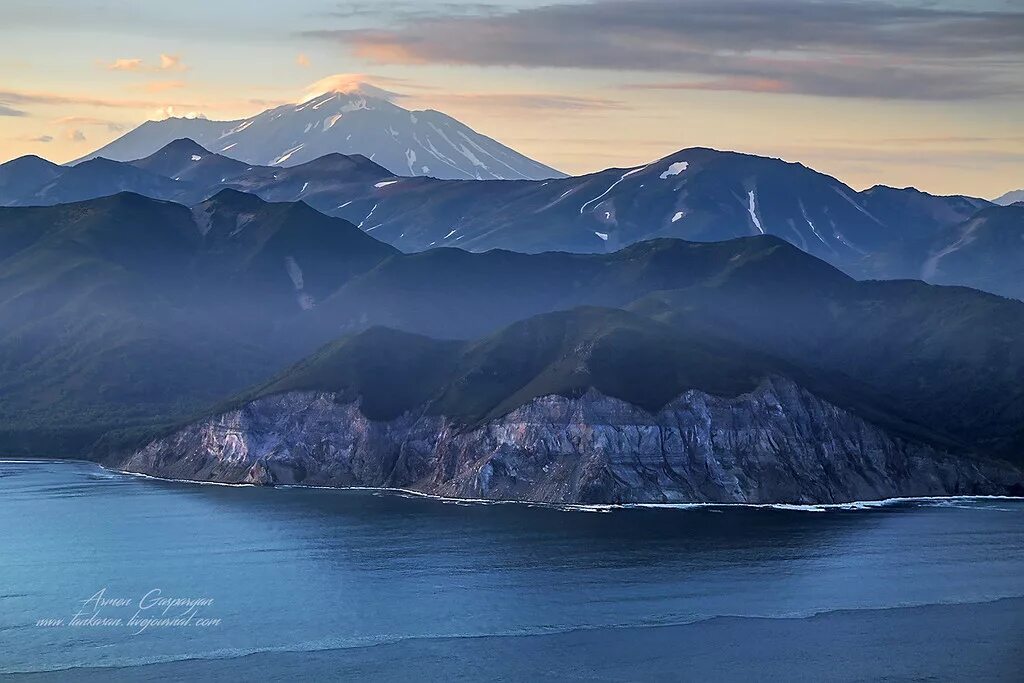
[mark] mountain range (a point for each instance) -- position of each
(695, 194)
(303, 297)
(129, 323)
(362, 120)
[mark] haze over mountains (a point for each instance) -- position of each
(362, 120)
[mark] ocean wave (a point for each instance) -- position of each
(325, 645)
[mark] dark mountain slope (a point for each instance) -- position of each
(120, 309)
(948, 357)
(457, 294)
(613, 351)
(22, 176)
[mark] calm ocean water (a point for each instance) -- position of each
(123, 578)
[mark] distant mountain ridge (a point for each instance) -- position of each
(363, 121)
(694, 194)
(1010, 198)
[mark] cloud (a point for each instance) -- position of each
(731, 83)
(11, 111)
(159, 107)
(155, 108)
(175, 112)
(851, 80)
(171, 63)
(74, 135)
(23, 97)
(413, 10)
(896, 49)
(302, 60)
(927, 140)
(35, 138)
(348, 83)
(527, 101)
(125, 65)
(137, 64)
(111, 126)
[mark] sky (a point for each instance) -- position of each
(924, 93)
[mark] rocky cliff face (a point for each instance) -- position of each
(778, 443)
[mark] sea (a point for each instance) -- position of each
(107, 576)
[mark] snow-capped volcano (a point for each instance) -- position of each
(361, 120)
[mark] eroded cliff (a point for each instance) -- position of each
(778, 443)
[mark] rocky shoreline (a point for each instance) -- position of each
(777, 444)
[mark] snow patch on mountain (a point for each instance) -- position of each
(752, 208)
(810, 223)
(674, 170)
(611, 187)
(363, 222)
(288, 155)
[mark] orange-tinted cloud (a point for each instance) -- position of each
(176, 112)
(171, 63)
(24, 97)
(348, 83)
(137, 64)
(384, 52)
(302, 60)
(133, 64)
